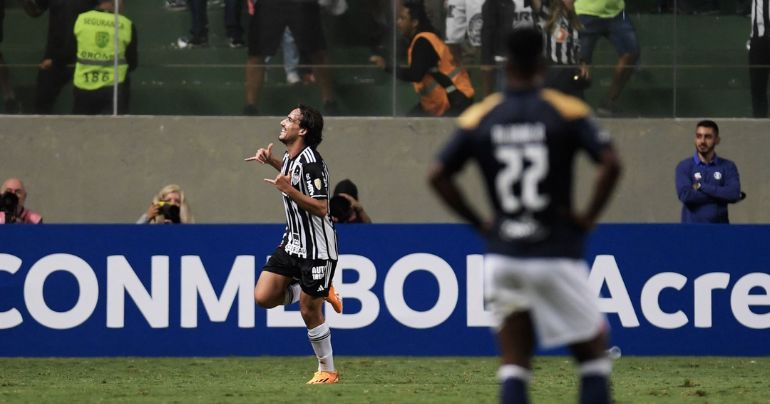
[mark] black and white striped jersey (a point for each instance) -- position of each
(308, 236)
(562, 44)
(760, 18)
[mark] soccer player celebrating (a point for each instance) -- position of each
(302, 267)
(525, 142)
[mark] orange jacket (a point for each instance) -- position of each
(433, 96)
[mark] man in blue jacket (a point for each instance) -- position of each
(705, 182)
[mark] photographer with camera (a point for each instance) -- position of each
(345, 207)
(168, 207)
(13, 195)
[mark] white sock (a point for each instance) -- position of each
(292, 294)
(321, 340)
(596, 367)
(509, 371)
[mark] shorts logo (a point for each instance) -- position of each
(317, 183)
(319, 273)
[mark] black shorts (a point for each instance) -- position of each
(315, 276)
(270, 19)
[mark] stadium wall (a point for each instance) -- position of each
(106, 170)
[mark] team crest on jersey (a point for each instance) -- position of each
(295, 176)
(717, 175)
(317, 183)
(697, 176)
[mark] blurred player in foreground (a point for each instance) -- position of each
(302, 267)
(525, 142)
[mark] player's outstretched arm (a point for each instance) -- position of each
(265, 156)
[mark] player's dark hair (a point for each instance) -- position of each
(313, 122)
(525, 52)
(708, 123)
(417, 12)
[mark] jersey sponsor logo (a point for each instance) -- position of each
(319, 273)
(697, 176)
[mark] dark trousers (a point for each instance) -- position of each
(759, 59)
(99, 102)
(49, 84)
(200, 19)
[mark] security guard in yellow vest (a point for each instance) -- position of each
(95, 65)
(444, 87)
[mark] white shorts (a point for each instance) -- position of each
(555, 291)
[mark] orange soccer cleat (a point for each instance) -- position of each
(334, 299)
(324, 377)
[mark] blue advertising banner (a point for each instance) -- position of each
(107, 290)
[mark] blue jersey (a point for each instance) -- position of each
(720, 184)
(525, 144)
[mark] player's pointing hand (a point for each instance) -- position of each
(281, 182)
(264, 155)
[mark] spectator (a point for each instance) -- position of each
(266, 29)
(199, 32)
(168, 206)
(94, 71)
(608, 18)
(13, 196)
(706, 183)
(56, 69)
(759, 57)
(463, 32)
(10, 104)
(444, 86)
(345, 207)
(560, 26)
(175, 5)
(500, 18)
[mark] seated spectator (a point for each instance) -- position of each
(168, 207)
(344, 206)
(444, 87)
(13, 196)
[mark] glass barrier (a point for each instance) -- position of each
(693, 59)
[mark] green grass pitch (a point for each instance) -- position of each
(369, 380)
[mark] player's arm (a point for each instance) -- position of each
(607, 176)
(445, 187)
(265, 156)
(314, 206)
(599, 146)
(730, 191)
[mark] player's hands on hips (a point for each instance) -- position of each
(281, 182)
(264, 155)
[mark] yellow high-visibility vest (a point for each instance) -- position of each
(95, 34)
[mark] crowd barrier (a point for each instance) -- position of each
(113, 290)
